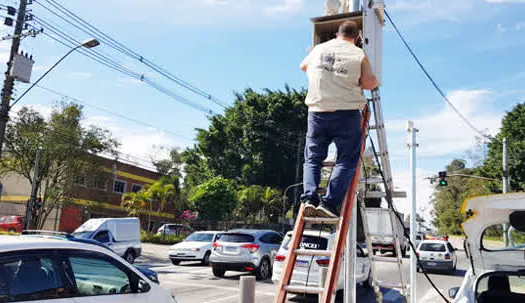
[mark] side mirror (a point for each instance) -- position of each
(452, 293)
(144, 286)
(517, 220)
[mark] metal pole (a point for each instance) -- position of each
(505, 184)
(247, 293)
(9, 81)
(284, 203)
(412, 145)
(323, 272)
(350, 258)
(34, 190)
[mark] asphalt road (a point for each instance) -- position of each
(192, 282)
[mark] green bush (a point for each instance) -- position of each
(146, 237)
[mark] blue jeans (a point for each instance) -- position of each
(344, 129)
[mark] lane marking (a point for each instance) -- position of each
(222, 299)
(218, 287)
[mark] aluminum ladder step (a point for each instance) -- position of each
(377, 209)
(390, 285)
(371, 181)
(304, 289)
(380, 194)
(313, 252)
(386, 259)
(319, 220)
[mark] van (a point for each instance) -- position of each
(121, 235)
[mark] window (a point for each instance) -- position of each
(28, 278)
(100, 183)
(492, 238)
(200, 237)
(102, 236)
(272, 238)
(95, 276)
(309, 242)
(236, 238)
(136, 188)
(119, 187)
(437, 247)
(450, 247)
(81, 180)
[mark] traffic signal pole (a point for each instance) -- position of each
(34, 191)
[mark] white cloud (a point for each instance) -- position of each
(500, 28)
(123, 82)
(44, 109)
(444, 132)
(286, 7)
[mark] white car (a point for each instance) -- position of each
(437, 255)
(196, 247)
(51, 269)
(307, 267)
(497, 271)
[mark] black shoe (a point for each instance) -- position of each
(310, 208)
(326, 211)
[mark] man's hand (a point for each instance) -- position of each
(367, 80)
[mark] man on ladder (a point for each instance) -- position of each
(337, 72)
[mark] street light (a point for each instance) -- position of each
(90, 43)
(284, 204)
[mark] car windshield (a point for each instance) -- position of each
(82, 234)
(506, 282)
(200, 237)
(309, 242)
(236, 238)
(2, 219)
(438, 247)
(493, 238)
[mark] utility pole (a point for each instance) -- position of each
(412, 145)
(297, 164)
(506, 184)
(34, 191)
(9, 82)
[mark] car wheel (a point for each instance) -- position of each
(218, 272)
(175, 262)
(11, 230)
(374, 251)
(369, 282)
(129, 256)
(206, 260)
(263, 272)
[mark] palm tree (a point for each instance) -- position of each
(162, 194)
(135, 202)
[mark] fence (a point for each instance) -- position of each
(19, 209)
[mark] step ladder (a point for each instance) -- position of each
(338, 247)
(386, 180)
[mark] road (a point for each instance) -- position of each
(192, 282)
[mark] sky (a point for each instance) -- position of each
(473, 49)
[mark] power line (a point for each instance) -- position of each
(115, 65)
(126, 50)
(482, 134)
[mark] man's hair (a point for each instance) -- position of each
(348, 29)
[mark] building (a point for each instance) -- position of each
(95, 196)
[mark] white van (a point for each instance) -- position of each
(121, 235)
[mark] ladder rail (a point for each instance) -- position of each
(397, 247)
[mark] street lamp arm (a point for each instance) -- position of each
(466, 176)
(45, 74)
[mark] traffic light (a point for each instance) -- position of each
(443, 178)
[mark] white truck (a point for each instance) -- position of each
(379, 224)
(121, 235)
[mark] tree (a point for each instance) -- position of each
(272, 204)
(513, 128)
(448, 199)
(215, 199)
(256, 141)
(251, 202)
(67, 149)
(136, 202)
(171, 166)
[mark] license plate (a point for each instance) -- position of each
(431, 263)
(301, 263)
(230, 249)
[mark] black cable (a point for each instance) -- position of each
(483, 135)
(392, 208)
(127, 51)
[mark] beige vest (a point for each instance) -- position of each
(334, 70)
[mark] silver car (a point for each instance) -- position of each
(245, 250)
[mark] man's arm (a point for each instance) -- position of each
(304, 66)
(306, 61)
(367, 80)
